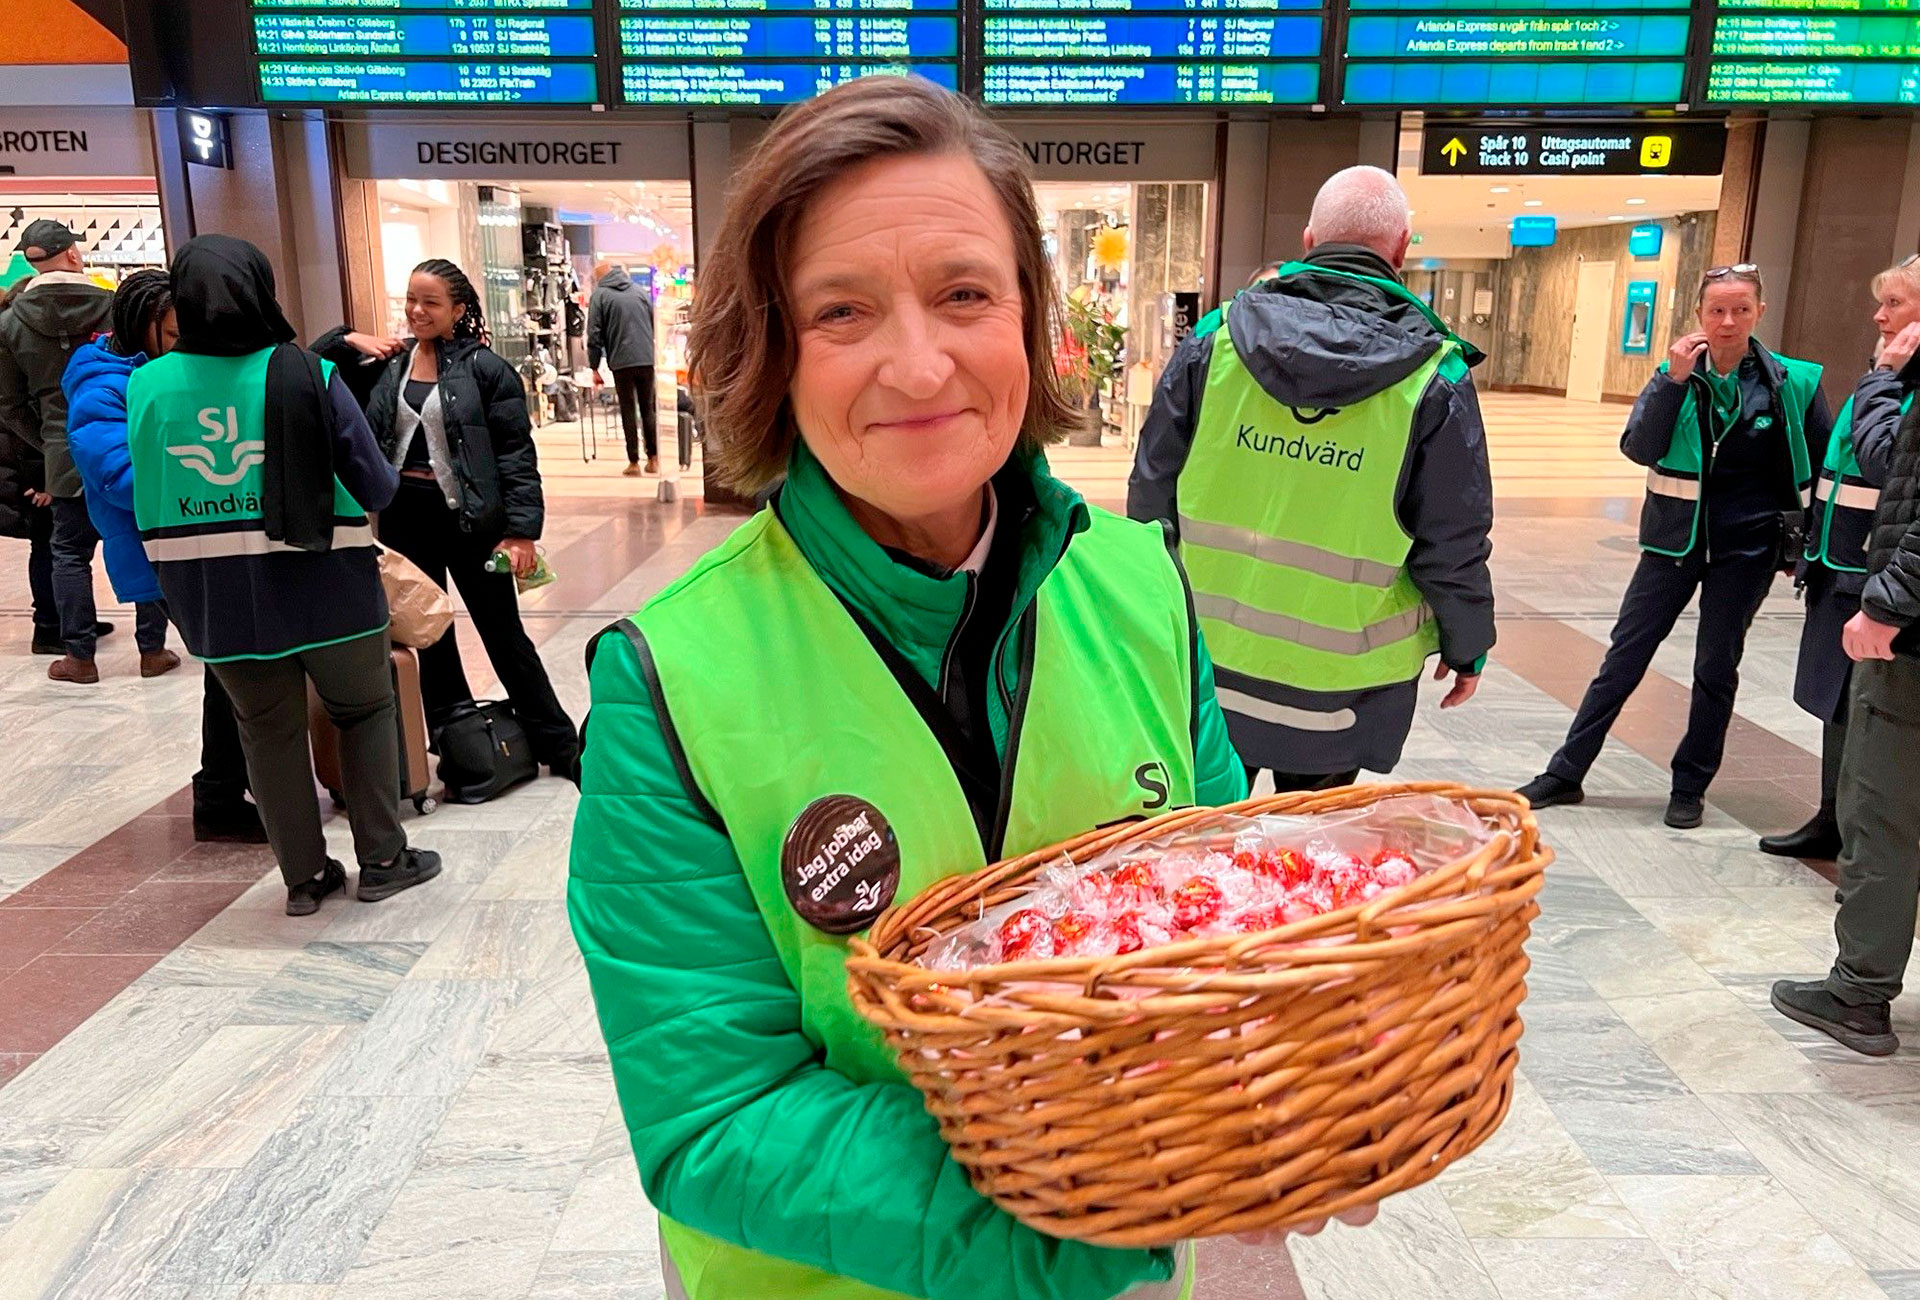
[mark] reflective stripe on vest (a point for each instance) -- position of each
(1289, 534)
(756, 656)
(1843, 522)
(217, 546)
(1848, 496)
(1668, 485)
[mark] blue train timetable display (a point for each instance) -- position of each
(1150, 52)
(1516, 53)
(752, 52)
(502, 52)
(757, 83)
(465, 36)
(1836, 54)
(862, 37)
(344, 81)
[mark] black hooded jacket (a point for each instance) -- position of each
(53, 315)
(1892, 593)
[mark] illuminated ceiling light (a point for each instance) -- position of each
(1536, 203)
(1616, 217)
(1499, 189)
(1635, 203)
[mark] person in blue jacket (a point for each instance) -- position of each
(96, 391)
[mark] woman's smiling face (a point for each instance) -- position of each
(912, 375)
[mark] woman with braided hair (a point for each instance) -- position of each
(451, 416)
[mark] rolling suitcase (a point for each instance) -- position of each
(415, 772)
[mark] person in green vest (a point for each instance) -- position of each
(1833, 571)
(253, 471)
(1321, 457)
(924, 654)
(1728, 431)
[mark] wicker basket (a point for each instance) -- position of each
(1228, 1084)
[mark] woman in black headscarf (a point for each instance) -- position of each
(253, 472)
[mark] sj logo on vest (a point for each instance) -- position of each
(840, 864)
(204, 458)
(1152, 778)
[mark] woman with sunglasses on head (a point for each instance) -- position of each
(1834, 568)
(451, 415)
(1729, 432)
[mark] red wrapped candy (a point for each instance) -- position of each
(1134, 882)
(1027, 933)
(1073, 928)
(1255, 920)
(1197, 903)
(1126, 932)
(1392, 870)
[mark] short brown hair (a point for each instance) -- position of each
(742, 350)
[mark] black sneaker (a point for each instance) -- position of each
(414, 867)
(304, 898)
(1685, 812)
(1819, 840)
(1866, 1029)
(1550, 791)
(237, 823)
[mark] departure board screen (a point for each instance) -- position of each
(1150, 52)
(1516, 52)
(1809, 52)
(751, 52)
(423, 52)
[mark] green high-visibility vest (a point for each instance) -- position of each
(779, 700)
(1674, 502)
(1290, 538)
(1843, 501)
(210, 453)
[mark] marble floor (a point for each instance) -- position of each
(410, 1101)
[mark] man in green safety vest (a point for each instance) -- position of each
(1318, 448)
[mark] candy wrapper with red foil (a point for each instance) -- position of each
(1226, 875)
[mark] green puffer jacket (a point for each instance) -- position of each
(739, 1129)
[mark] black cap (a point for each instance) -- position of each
(46, 238)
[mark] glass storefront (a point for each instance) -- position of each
(118, 224)
(1131, 258)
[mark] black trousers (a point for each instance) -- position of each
(74, 542)
(221, 781)
(46, 610)
(1731, 591)
(634, 385)
(420, 526)
(354, 682)
(1288, 782)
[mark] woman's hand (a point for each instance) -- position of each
(1864, 639)
(1900, 349)
(521, 552)
(1685, 351)
(1464, 686)
(1358, 1217)
(373, 345)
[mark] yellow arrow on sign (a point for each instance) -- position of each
(1453, 150)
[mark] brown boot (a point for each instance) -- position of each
(632, 470)
(66, 668)
(155, 662)
(653, 464)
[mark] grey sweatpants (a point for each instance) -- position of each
(1880, 826)
(354, 681)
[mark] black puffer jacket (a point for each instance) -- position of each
(1892, 594)
(488, 434)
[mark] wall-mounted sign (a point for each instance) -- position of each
(74, 142)
(1636, 334)
(1522, 147)
(1117, 151)
(1647, 240)
(476, 151)
(204, 139)
(1534, 232)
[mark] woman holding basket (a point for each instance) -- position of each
(925, 644)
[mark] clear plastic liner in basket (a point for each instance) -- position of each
(1225, 875)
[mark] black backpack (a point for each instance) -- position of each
(484, 752)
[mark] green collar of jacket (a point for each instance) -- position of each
(916, 612)
(1468, 353)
